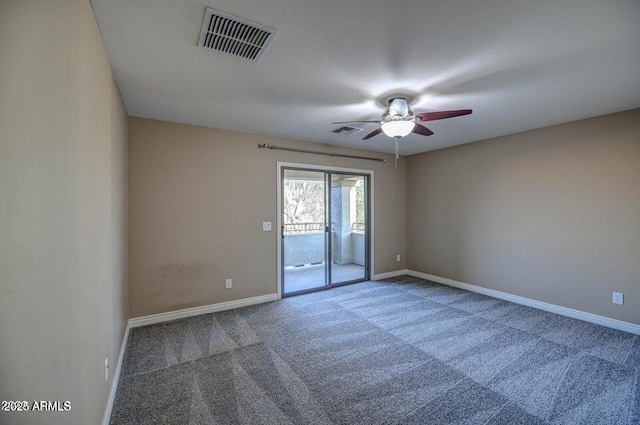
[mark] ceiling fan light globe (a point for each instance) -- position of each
(397, 128)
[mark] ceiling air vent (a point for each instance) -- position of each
(235, 36)
(346, 129)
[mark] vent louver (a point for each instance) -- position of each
(235, 36)
(346, 129)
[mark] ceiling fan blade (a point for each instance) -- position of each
(354, 122)
(421, 130)
(440, 115)
(373, 133)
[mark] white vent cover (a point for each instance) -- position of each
(238, 37)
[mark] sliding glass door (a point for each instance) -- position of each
(325, 229)
(348, 229)
(304, 230)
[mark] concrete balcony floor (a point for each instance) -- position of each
(313, 276)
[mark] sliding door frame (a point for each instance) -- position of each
(369, 175)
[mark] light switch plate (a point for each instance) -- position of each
(266, 226)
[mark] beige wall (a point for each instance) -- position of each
(198, 198)
(551, 214)
(63, 257)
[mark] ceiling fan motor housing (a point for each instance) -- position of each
(398, 109)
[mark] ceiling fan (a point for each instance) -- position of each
(398, 120)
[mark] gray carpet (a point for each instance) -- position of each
(400, 351)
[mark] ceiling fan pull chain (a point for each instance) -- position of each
(396, 163)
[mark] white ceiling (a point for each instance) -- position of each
(519, 64)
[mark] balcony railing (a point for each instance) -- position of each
(358, 228)
(303, 228)
(307, 228)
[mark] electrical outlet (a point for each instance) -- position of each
(618, 298)
(106, 369)
(266, 226)
(398, 257)
(228, 283)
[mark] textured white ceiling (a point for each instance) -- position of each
(519, 64)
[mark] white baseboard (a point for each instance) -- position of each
(196, 311)
(388, 275)
(116, 378)
(552, 308)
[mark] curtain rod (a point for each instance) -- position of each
(281, 148)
